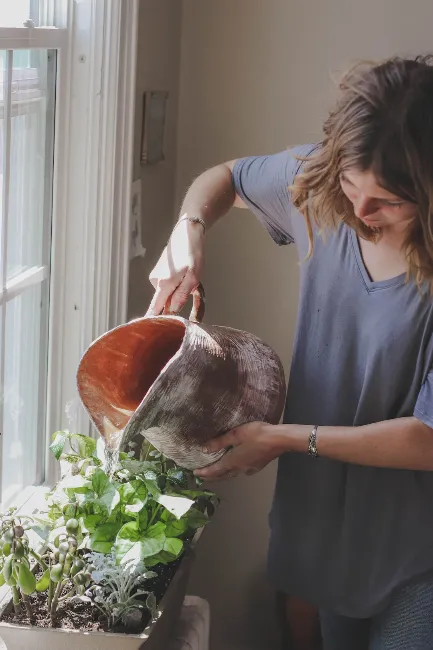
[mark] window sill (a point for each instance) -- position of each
(29, 500)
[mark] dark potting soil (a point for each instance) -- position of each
(76, 615)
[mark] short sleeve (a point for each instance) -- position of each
(262, 182)
(424, 404)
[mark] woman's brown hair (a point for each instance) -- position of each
(383, 122)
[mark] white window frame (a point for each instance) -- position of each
(94, 127)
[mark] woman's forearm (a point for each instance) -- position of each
(403, 443)
(179, 269)
(211, 195)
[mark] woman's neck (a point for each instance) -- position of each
(385, 258)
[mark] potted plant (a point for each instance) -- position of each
(106, 565)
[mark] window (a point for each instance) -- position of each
(28, 80)
(27, 96)
(67, 73)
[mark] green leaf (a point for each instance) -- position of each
(152, 487)
(110, 498)
(80, 495)
(126, 539)
(156, 530)
(196, 519)
(151, 545)
(72, 459)
(26, 580)
(91, 522)
(160, 558)
(104, 537)
(173, 546)
(177, 475)
(87, 464)
(100, 481)
(107, 532)
(178, 506)
(106, 490)
(102, 547)
(85, 445)
(58, 444)
(165, 515)
(54, 512)
(137, 467)
(131, 544)
(126, 491)
(43, 582)
(177, 527)
(195, 494)
(143, 519)
(127, 536)
(153, 561)
(133, 495)
(129, 531)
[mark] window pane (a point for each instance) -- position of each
(27, 91)
(14, 13)
(24, 390)
(2, 171)
(32, 122)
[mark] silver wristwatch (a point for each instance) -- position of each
(312, 448)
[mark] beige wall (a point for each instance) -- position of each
(157, 69)
(255, 77)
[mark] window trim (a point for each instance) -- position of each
(16, 285)
(29, 38)
(94, 123)
(91, 206)
(122, 193)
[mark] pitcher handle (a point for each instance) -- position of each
(198, 305)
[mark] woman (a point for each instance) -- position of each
(352, 516)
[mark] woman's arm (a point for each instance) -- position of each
(403, 443)
(179, 269)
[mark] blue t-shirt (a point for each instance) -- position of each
(344, 536)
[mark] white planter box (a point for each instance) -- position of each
(155, 636)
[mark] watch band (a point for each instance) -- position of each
(312, 447)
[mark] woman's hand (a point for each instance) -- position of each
(251, 447)
(179, 269)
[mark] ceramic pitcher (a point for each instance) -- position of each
(179, 383)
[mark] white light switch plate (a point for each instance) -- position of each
(136, 247)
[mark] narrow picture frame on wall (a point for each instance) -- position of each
(153, 127)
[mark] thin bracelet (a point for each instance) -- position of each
(312, 448)
(193, 220)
